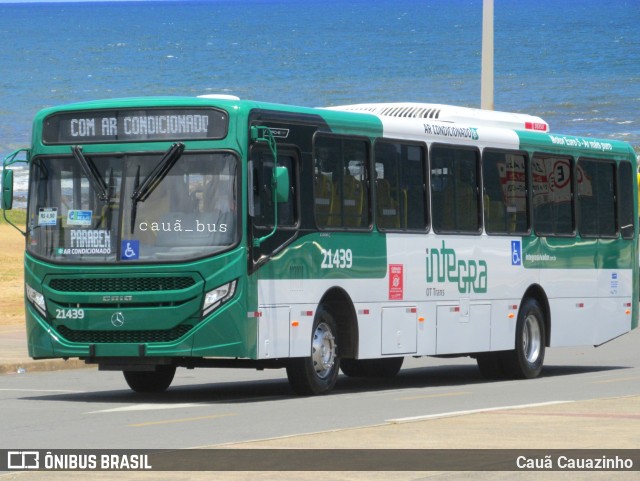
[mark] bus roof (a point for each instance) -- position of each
(449, 113)
(365, 118)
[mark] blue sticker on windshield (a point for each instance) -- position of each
(129, 250)
(79, 217)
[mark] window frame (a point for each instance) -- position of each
(623, 196)
(478, 185)
(283, 151)
(424, 161)
(367, 225)
(579, 196)
(572, 201)
(527, 194)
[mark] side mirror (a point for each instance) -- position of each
(7, 189)
(282, 184)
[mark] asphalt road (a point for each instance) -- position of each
(85, 408)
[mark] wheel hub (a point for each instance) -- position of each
(531, 339)
(323, 350)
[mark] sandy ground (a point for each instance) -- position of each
(11, 276)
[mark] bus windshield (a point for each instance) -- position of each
(83, 208)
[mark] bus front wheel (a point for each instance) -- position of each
(150, 381)
(317, 374)
(525, 361)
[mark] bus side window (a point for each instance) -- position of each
(262, 209)
(387, 193)
(504, 176)
(454, 189)
(323, 196)
(412, 197)
(596, 198)
(341, 171)
(400, 186)
(553, 194)
(626, 179)
(353, 195)
(325, 175)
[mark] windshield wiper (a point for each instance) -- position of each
(91, 172)
(170, 157)
(142, 192)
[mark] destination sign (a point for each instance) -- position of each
(134, 125)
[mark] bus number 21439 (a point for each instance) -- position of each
(337, 259)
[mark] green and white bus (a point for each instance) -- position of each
(219, 232)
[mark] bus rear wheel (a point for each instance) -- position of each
(525, 361)
(317, 374)
(150, 381)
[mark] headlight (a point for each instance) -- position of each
(215, 297)
(36, 299)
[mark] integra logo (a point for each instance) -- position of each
(443, 265)
(117, 298)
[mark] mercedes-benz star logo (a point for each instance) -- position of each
(117, 319)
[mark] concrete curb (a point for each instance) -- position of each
(14, 354)
(20, 367)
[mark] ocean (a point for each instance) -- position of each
(576, 64)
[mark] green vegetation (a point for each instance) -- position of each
(17, 216)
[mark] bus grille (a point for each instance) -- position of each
(97, 337)
(123, 284)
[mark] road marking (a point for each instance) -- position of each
(470, 411)
(618, 379)
(426, 396)
(581, 415)
(181, 420)
(149, 407)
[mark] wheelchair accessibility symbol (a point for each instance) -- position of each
(129, 250)
(516, 253)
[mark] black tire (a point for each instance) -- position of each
(525, 361)
(374, 368)
(150, 381)
(490, 365)
(352, 368)
(317, 374)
